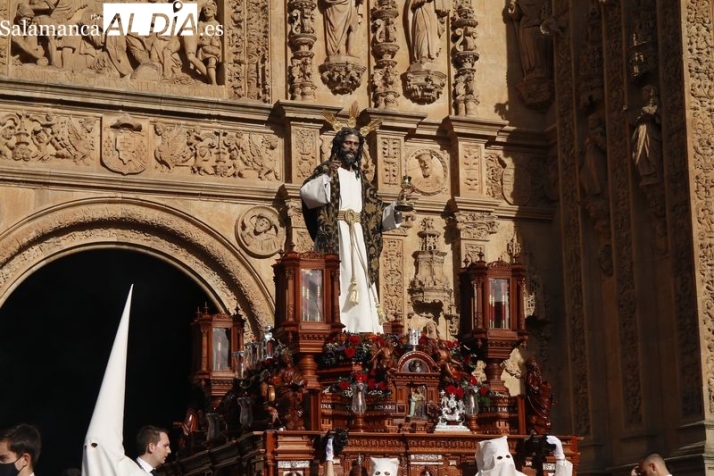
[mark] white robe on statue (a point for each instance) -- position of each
(362, 315)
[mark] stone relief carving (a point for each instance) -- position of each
(238, 57)
(298, 238)
(593, 182)
(305, 148)
(698, 23)
(494, 172)
(173, 234)
(572, 253)
(221, 153)
(428, 170)
(590, 90)
(256, 60)
(154, 57)
(342, 70)
(259, 231)
(384, 48)
(516, 183)
(536, 87)
(620, 160)
(475, 225)
(33, 137)
(390, 156)
(124, 146)
(426, 23)
(393, 277)
(643, 38)
(464, 57)
(301, 38)
(593, 171)
(4, 13)
(472, 251)
(471, 170)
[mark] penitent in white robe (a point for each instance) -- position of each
(362, 315)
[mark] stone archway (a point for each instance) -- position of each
(165, 232)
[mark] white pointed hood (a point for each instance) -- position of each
(103, 445)
(493, 458)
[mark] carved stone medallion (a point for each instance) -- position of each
(259, 231)
(428, 171)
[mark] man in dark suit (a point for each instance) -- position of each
(153, 446)
(19, 450)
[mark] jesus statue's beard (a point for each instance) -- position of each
(348, 158)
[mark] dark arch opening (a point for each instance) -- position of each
(56, 332)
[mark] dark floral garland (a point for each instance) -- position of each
(359, 348)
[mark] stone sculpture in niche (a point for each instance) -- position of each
(342, 70)
(535, 51)
(426, 23)
(341, 23)
(259, 232)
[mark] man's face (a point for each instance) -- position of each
(262, 225)
(160, 450)
(425, 164)
(348, 152)
(10, 457)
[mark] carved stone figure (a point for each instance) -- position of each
(426, 26)
(171, 150)
(539, 399)
(61, 49)
(647, 138)
(28, 45)
(341, 22)
(260, 233)
(427, 172)
(532, 44)
(205, 160)
(262, 159)
(593, 172)
(209, 44)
